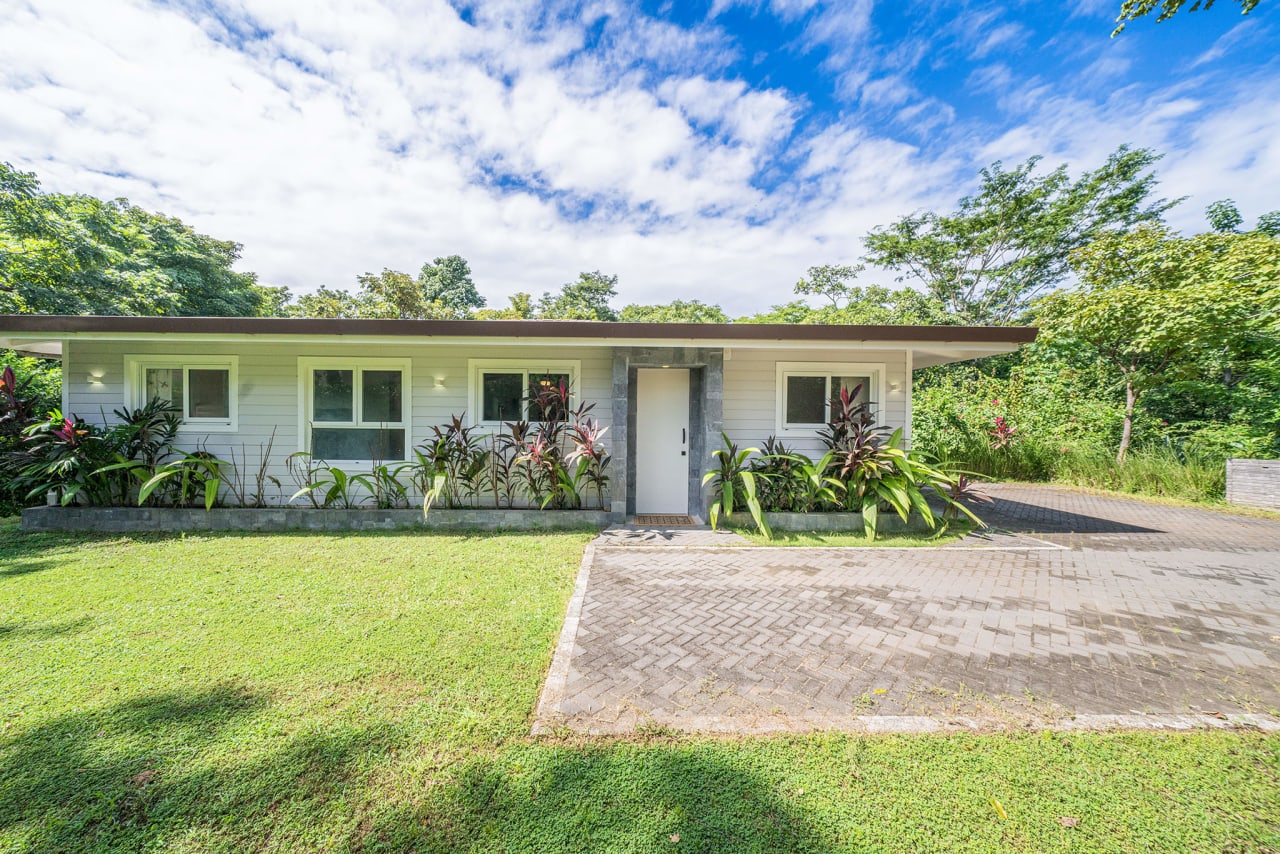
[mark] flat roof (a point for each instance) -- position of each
(28, 325)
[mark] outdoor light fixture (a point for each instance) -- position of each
(95, 377)
(439, 382)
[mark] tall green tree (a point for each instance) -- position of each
(326, 302)
(677, 311)
(586, 299)
(1012, 240)
(519, 307)
(76, 254)
(1132, 10)
(1155, 306)
(447, 282)
(396, 295)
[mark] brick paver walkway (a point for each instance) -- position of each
(1087, 606)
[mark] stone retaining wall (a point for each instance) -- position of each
(888, 523)
(1254, 483)
(133, 520)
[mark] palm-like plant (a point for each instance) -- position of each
(733, 479)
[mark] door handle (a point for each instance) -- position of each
(683, 437)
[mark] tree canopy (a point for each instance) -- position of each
(1156, 306)
(585, 299)
(447, 283)
(76, 254)
(1132, 10)
(677, 311)
(1011, 241)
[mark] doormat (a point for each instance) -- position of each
(665, 520)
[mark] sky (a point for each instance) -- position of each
(709, 149)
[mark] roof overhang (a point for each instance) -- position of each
(43, 334)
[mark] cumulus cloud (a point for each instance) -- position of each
(333, 138)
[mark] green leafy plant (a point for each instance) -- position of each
(733, 481)
(384, 485)
(334, 487)
(198, 473)
(64, 455)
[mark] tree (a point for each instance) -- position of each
(447, 282)
(832, 281)
(1132, 10)
(586, 299)
(520, 307)
(1153, 304)
(75, 254)
(395, 295)
(1013, 239)
(1224, 216)
(326, 303)
(1269, 223)
(678, 311)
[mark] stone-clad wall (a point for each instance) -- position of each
(139, 520)
(1254, 483)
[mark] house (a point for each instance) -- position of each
(351, 391)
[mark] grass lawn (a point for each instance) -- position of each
(373, 692)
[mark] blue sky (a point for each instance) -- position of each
(709, 150)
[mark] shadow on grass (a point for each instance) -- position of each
(595, 798)
(123, 776)
(48, 630)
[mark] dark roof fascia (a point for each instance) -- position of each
(44, 324)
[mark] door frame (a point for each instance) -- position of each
(643, 465)
(706, 382)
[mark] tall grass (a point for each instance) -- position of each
(1158, 470)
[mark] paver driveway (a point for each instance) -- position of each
(1081, 605)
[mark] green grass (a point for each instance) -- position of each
(373, 692)
(954, 532)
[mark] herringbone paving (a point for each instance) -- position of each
(1100, 606)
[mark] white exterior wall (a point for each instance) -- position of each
(268, 387)
(751, 398)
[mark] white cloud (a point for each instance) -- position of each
(334, 138)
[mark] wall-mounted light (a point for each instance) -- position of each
(439, 382)
(95, 376)
(895, 386)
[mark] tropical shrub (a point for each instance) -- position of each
(864, 469)
(733, 480)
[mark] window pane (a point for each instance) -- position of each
(381, 393)
(549, 396)
(333, 393)
(165, 384)
(806, 400)
(861, 384)
(210, 393)
(335, 443)
(502, 393)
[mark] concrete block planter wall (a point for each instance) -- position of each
(889, 523)
(1254, 483)
(135, 520)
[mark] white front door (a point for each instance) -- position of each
(662, 440)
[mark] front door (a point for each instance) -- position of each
(662, 440)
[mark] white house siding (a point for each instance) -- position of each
(751, 392)
(268, 385)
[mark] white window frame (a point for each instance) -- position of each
(307, 365)
(135, 387)
(477, 368)
(874, 371)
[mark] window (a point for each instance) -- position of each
(806, 391)
(507, 390)
(355, 410)
(202, 388)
